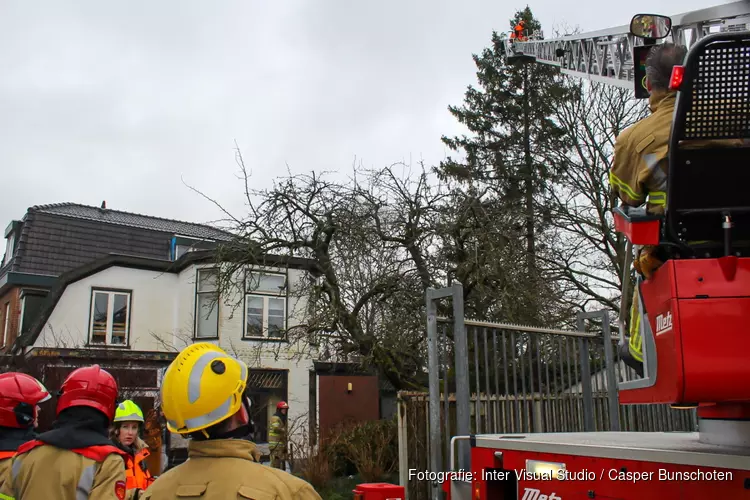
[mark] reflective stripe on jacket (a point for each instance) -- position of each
(276, 430)
(636, 341)
(137, 474)
(640, 164)
(93, 473)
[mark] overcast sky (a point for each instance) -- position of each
(121, 101)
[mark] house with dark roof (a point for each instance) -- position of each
(52, 240)
(82, 284)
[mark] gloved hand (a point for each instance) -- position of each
(646, 262)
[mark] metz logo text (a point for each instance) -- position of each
(663, 323)
(534, 494)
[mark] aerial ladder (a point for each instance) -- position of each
(607, 56)
(695, 309)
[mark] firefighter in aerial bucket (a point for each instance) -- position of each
(518, 31)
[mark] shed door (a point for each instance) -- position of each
(337, 405)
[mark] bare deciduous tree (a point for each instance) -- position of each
(589, 253)
(369, 241)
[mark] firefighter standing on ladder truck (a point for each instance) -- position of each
(640, 167)
(639, 171)
(20, 395)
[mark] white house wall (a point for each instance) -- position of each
(151, 309)
(262, 354)
(162, 319)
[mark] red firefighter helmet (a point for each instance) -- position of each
(282, 405)
(90, 386)
(19, 395)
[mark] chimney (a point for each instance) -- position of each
(104, 204)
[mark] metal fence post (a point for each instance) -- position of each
(588, 399)
(403, 443)
(436, 459)
(463, 415)
(609, 359)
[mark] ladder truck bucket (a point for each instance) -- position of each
(516, 56)
(695, 308)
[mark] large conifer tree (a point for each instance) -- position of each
(511, 140)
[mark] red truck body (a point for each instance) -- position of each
(607, 465)
(699, 311)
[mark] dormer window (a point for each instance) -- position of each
(10, 242)
(180, 245)
(181, 250)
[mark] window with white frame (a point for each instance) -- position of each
(207, 304)
(110, 317)
(265, 305)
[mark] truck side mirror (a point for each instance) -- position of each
(651, 26)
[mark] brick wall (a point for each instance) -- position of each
(11, 297)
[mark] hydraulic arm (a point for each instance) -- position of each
(607, 55)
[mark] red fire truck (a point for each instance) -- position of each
(695, 308)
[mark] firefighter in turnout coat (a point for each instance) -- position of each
(277, 436)
(19, 396)
(75, 460)
(639, 172)
(205, 397)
